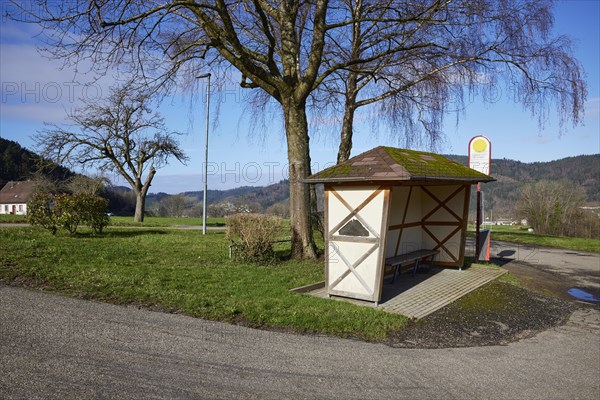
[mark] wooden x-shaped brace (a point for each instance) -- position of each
(458, 223)
(352, 269)
(354, 213)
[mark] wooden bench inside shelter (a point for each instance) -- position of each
(413, 257)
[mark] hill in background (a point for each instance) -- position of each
(18, 163)
(499, 196)
(511, 176)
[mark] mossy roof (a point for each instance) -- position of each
(393, 164)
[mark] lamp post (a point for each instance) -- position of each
(205, 180)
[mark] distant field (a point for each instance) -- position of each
(14, 219)
(519, 234)
(165, 221)
(128, 221)
(515, 234)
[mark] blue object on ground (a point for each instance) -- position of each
(583, 295)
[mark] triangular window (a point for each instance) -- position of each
(354, 228)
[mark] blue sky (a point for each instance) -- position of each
(35, 90)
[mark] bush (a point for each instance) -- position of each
(92, 209)
(40, 211)
(67, 211)
(254, 234)
(554, 208)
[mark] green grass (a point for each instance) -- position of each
(509, 278)
(506, 278)
(519, 234)
(488, 298)
(151, 222)
(165, 221)
(182, 271)
(13, 219)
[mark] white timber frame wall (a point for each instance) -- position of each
(365, 224)
(428, 217)
(356, 228)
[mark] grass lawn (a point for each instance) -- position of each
(13, 219)
(151, 222)
(165, 221)
(182, 271)
(515, 234)
(519, 234)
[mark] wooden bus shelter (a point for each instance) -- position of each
(391, 206)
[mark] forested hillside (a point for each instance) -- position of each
(272, 198)
(18, 163)
(511, 175)
(500, 196)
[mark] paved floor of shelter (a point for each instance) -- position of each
(419, 295)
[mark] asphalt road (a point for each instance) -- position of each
(575, 268)
(57, 347)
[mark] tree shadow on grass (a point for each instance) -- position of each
(121, 234)
(282, 255)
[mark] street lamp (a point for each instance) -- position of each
(205, 153)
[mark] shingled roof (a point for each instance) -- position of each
(393, 164)
(16, 192)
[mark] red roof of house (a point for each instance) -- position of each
(16, 192)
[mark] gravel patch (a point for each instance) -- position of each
(496, 314)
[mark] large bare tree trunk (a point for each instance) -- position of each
(346, 135)
(296, 127)
(140, 203)
(348, 121)
(141, 191)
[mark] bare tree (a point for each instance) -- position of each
(277, 47)
(43, 183)
(445, 50)
(121, 134)
(173, 206)
(288, 49)
(92, 185)
(551, 207)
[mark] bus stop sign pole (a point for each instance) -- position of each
(480, 156)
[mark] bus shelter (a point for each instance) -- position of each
(388, 207)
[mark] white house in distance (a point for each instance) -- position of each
(14, 197)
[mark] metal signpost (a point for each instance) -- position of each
(480, 156)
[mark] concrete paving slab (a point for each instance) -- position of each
(440, 290)
(420, 295)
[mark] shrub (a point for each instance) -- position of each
(554, 208)
(254, 234)
(68, 211)
(92, 209)
(40, 211)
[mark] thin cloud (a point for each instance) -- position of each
(592, 108)
(36, 112)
